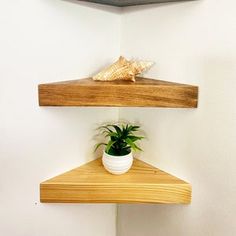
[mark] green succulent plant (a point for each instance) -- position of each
(121, 139)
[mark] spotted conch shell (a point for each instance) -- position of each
(123, 69)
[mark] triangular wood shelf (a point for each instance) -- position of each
(143, 93)
(91, 183)
(125, 3)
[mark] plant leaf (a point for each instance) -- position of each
(98, 145)
(135, 138)
(133, 145)
(135, 128)
(118, 130)
(110, 143)
(106, 128)
(112, 134)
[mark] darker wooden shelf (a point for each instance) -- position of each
(91, 183)
(143, 93)
(125, 3)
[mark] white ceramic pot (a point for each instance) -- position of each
(117, 165)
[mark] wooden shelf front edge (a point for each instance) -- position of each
(143, 93)
(91, 183)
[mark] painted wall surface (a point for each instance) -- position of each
(191, 42)
(43, 41)
(52, 40)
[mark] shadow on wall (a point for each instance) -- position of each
(133, 8)
(139, 8)
(101, 7)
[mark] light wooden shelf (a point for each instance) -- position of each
(91, 183)
(125, 3)
(143, 93)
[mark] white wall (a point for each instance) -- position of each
(191, 42)
(52, 40)
(43, 41)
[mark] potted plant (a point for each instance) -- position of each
(117, 157)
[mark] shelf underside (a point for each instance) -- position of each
(143, 93)
(91, 183)
(125, 3)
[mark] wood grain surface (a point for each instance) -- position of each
(143, 93)
(91, 183)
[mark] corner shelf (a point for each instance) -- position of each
(143, 93)
(125, 3)
(91, 183)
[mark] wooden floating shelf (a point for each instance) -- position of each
(143, 93)
(125, 3)
(91, 183)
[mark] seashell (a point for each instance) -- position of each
(141, 66)
(123, 69)
(120, 70)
